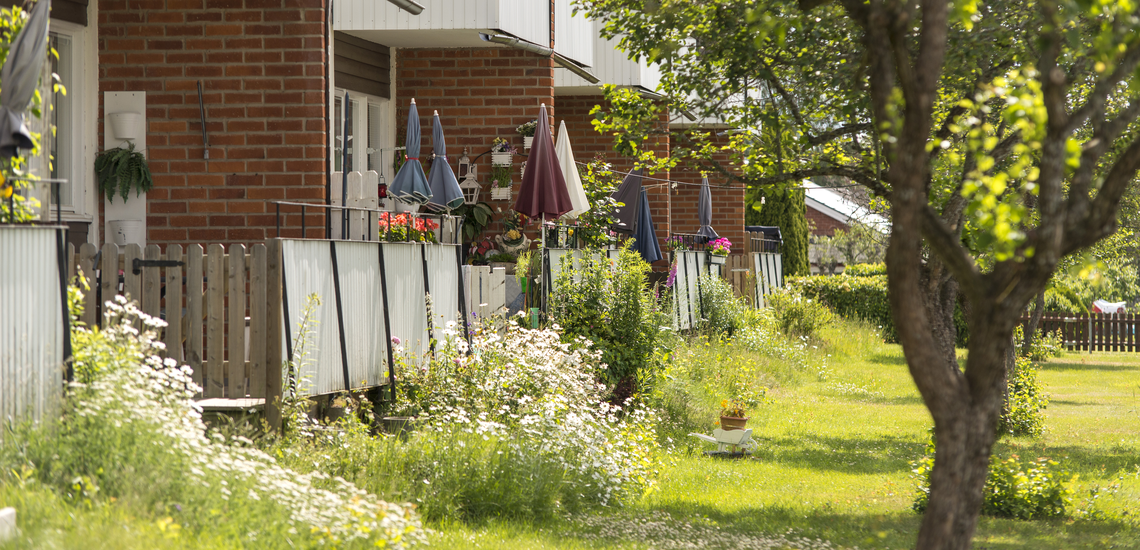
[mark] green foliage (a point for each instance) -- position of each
(1014, 489)
(799, 316)
(1074, 290)
(863, 297)
(16, 178)
(1043, 346)
(721, 311)
(599, 182)
(786, 208)
(865, 270)
(476, 218)
(611, 306)
(501, 175)
(120, 170)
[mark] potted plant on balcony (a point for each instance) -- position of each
(526, 130)
(718, 250)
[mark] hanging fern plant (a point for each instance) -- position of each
(121, 169)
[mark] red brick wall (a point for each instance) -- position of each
(263, 69)
(480, 94)
(588, 143)
(727, 201)
(822, 224)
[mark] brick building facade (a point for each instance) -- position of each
(263, 70)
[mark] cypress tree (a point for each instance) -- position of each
(786, 209)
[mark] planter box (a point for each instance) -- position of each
(733, 423)
(718, 260)
(500, 193)
(501, 159)
(527, 140)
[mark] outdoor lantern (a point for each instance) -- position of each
(467, 182)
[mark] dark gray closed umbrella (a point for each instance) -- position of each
(645, 234)
(445, 191)
(704, 211)
(410, 184)
(628, 193)
(19, 79)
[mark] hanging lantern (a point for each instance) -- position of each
(467, 182)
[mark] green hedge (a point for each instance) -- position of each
(865, 270)
(863, 297)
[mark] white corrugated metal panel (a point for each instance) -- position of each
(443, 281)
(403, 264)
(574, 34)
(611, 66)
(526, 19)
(308, 270)
(31, 328)
(358, 264)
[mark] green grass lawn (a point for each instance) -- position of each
(833, 465)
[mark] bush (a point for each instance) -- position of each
(1025, 399)
(865, 298)
(516, 429)
(721, 311)
(132, 435)
(1030, 490)
(608, 303)
(1043, 346)
(865, 270)
(798, 316)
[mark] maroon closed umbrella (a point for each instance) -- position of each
(543, 193)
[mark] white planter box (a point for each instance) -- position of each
(500, 193)
(501, 159)
(527, 140)
(718, 260)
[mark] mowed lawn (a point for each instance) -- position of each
(832, 469)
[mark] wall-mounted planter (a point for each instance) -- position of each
(125, 126)
(501, 159)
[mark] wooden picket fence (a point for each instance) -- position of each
(738, 271)
(223, 309)
(1093, 332)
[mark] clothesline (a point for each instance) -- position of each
(667, 182)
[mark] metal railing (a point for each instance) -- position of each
(443, 228)
(687, 241)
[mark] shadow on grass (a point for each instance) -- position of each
(876, 455)
(1089, 462)
(1087, 367)
(887, 359)
(844, 528)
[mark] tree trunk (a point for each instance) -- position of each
(1034, 321)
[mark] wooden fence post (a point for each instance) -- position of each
(273, 331)
(215, 321)
(258, 323)
(193, 326)
(235, 345)
(174, 303)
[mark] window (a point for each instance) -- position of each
(367, 133)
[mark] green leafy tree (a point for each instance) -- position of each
(1001, 134)
(786, 208)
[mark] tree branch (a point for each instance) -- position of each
(1095, 102)
(829, 135)
(947, 245)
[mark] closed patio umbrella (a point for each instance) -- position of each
(410, 184)
(645, 234)
(628, 193)
(445, 191)
(543, 193)
(578, 201)
(704, 211)
(19, 79)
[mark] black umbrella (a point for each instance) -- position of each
(704, 211)
(445, 191)
(645, 235)
(410, 184)
(19, 79)
(625, 217)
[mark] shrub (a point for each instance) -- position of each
(798, 316)
(1031, 490)
(1043, 346)
(516, 429)
(721, 311)
(865, 298)
(1025, 400)
(132, 434)
(865, 270)
(607, 302)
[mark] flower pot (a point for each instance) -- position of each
(125, 126)
(718, 260)
(124, 232)
(501, 159)
(527, 140)
(733, 422)
(500, 193)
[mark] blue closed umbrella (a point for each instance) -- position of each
(410, 184)
(445, 191)
(704, 211)
(645, 234)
